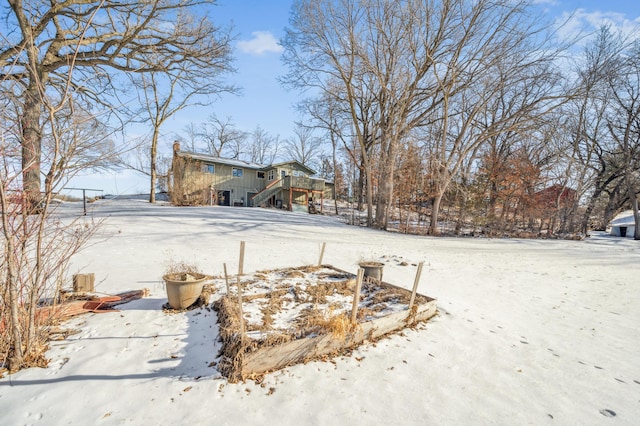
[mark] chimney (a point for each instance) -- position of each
(176, 146)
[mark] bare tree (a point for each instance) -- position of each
(263, 147)
(321, 49)
(423, 64)
(326, 114)
(222, 137)
(624, 122)
(190, 82)
(190, 137)
(600, 119)
(116, 36)
(304, 146)
(38, 244)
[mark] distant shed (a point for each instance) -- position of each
(623, 225)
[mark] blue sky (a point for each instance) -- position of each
(259, 24)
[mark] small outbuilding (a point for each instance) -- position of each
(623, 225)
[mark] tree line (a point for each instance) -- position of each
(476, 108)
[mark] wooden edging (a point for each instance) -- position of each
(301, 350)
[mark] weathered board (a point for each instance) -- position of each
(309, 348)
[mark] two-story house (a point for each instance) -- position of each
(200, 179)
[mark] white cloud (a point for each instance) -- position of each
(582, 22)
(262, 42)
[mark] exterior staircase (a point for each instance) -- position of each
(261, 197)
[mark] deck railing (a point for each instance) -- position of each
(302, 182)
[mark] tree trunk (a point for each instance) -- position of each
(31, 147)
(335, 172)
(153, 164)
(385, 189)
(636, 217)
(435, 211)
(612, 206)
(385, 197)
(360, 188)
(369, 177)
(633, 198)
(15, 356)
(462, 212)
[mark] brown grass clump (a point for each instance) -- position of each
(315, 321)
(411, 318)
(318, 293)
(293, 273)
(365, 314)
(232, 351)
(338, 276)
(309, 268)
(340, 325)
(235, 345)
(273, 306)
(300, 295)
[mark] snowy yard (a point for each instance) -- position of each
(528, 331)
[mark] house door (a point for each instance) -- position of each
(249, 198)
(224, 198)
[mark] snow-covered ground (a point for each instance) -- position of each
(528, 331)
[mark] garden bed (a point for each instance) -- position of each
(300, 314)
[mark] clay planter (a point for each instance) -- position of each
(372, 270)
(183, 289)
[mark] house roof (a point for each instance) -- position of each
(219, 160)
(296, 162)
(624, 218)
(241, 163)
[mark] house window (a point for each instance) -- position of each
(237, 172)
(272, 174)
(260, 175)
(210, 169)
(298, 173)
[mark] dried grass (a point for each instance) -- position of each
(235, 345)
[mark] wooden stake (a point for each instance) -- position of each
(415, 285)
(356, 296)
(241, 263)
(321, 254)
(226, 277)
(240, 307)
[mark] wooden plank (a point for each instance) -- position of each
(240, 307)
(415, 284)
(302, 350)
(321, 254)
(226, 277)
(241, 262)
(356, 295)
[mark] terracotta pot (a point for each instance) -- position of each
(372, 270)
(183, 289)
